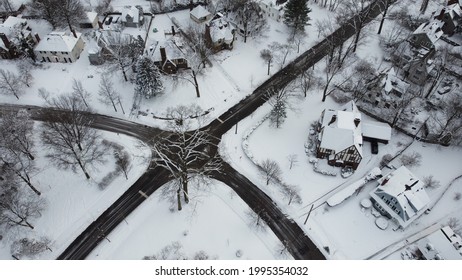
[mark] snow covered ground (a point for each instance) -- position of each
(74, 202)
(348, 231)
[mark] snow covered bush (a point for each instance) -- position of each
(29, 247)
(385, 160)
(411, 160)
(430, 182)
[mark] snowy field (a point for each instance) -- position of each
(72, 202)
(215, 222)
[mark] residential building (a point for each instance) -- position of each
(442, 244)
(90, 21)
(59, 47)
(340, 140)
(400, 196)
(169, 56)
(451, 17)
(132, 16)
(219, 34)
(13, 33)
(200, 14)
(426, 35)
(273, 9)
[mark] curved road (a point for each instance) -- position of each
(298, 244)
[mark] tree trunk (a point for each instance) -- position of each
(83, 169)
(178, 198)
(113, 104)
(383, 17)
(269, 65)
(184, 183)
(121, 107)
(196, 84)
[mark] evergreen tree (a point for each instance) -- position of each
(148, 79)
(278, 114)
(296, 15)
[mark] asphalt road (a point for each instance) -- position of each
(289, 232)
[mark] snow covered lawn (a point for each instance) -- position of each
(74, 202)
(214, 222)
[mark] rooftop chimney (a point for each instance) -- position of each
(334, 118)
(173, 30)
(5, 40)
(163, 54)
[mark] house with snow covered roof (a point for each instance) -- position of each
(89, 21)
(451, 17)
(273, 9)
(59, 47)
(341, 134)
(200, 14)
(443, 244)
(400, 196)
(426, 35)
(219, 34)
(168, 55)
(340, 140)
(12, 32)
(132, 16)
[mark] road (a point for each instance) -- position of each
(289, 232)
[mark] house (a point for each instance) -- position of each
(95, 53)
(90, 21)
(451, 17)
(340, 139)
(132, 16)
(418, 70)
(219, 34)
(400, 196)
(59, 47)
(199, 14)
(273, 9)
(426, 35)
(442, 244)
(168, 56)
(15, 32)
(105, 42)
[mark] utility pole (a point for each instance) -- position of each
(309, 212)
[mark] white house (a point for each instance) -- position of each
(199, 14)
(59, 47)
(219, 34)
(400, 196)
(273, 9)
(442, 244)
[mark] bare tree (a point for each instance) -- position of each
(17, 133)
(8, 6)
(270, 170)
(107, 93)
(10, 83)
(17, 208)
(359, 8)
(360, 81)
(189, 152)
(25, 75)
(449, 119)
(71, 12)
(80, 91)
(430, 182)
(30, 247)
(48, 10)
(384, 15)
(256, 219)
(16, 147)
(200, 49)
(307, 80)
(267, 56)
(250, 16)
(293, 160)
(123, 162)
(123, 50)
(280, 52)
(291, 193)
(67, 135)
(412, 159)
